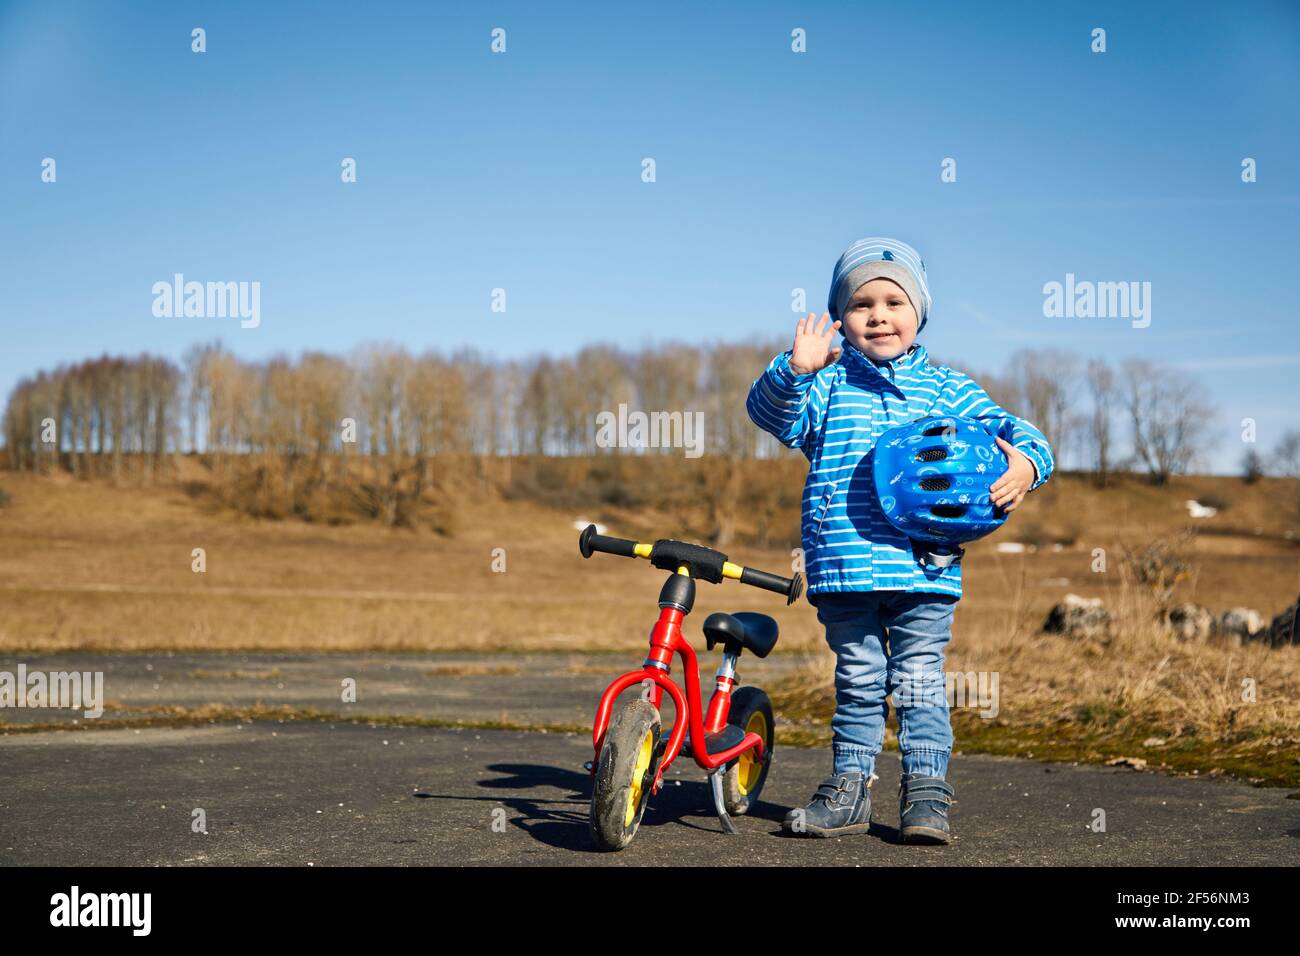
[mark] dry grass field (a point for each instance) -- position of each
(88, 566)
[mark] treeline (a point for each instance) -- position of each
(94, 417)
(326, 437)
(380, 399)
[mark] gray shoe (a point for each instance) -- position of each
(923, 808)
(842, 804)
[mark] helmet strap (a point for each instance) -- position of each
(938, 556)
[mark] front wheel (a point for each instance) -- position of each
(751, 710)
(629, 759)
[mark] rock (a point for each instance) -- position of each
(1191, 622)
(1285, 629)
(1077, 616)
(1154, 742)
(1137, 763)
(1240, 624)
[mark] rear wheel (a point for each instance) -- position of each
(751, 710)
(629, 759)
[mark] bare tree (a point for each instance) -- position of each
(1101, 384)
(1252, 466)
(1286, 460)
(20, 441)
(1286, 455)
(667, 381)
(1049, 385)
(1168, 419)
(384, 376)
(539, 412)
(606, 378)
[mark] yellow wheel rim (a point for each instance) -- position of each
(749, 768)
(638, 775)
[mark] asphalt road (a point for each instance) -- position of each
(303, 793)
(517, 689)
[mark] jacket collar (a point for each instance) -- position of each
(912, 358)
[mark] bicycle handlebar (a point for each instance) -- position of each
(589, 541)
(791, 587)
(702, 562)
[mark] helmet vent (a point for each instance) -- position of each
(947, 511)
(936, 483)
(932, 454)
(942, 428)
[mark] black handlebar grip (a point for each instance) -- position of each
(589, 542)
(790, 587)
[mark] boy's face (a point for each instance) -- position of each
(879, 320)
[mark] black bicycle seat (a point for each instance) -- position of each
(747, 629)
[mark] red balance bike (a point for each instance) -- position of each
(733, 740)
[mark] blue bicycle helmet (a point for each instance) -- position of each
(932, 477)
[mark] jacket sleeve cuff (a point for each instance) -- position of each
(787, 376)
(1033, 450)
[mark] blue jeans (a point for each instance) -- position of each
(889, 642)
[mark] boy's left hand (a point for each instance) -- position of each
(1009, 490)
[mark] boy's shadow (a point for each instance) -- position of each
(880, 831)
(562, 822)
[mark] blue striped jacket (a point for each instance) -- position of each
(835, 417)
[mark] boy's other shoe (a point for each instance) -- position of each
(841, 804)
(923, 809)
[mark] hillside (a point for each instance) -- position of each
(86, 564)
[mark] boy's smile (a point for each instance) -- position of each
(880, 320)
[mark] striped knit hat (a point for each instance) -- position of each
(879, 258)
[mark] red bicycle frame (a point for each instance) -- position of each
(666, 639)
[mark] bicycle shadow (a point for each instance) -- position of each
(562, 822)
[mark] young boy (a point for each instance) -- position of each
(887, 611)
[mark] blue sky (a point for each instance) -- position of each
(522, 171)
